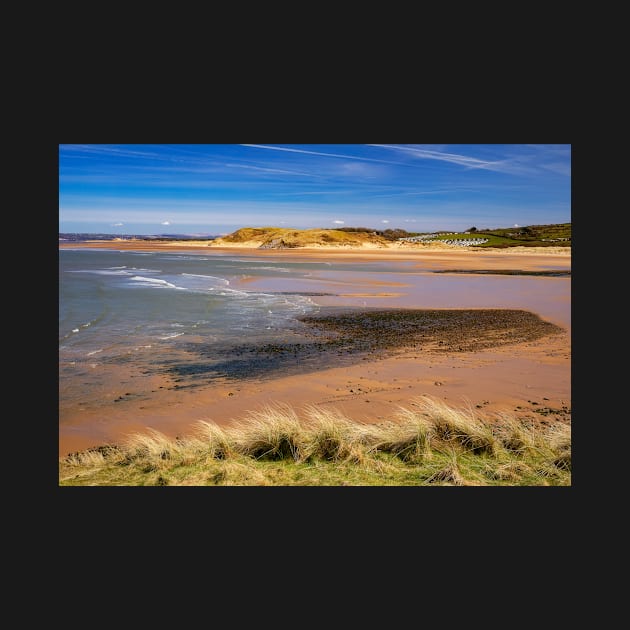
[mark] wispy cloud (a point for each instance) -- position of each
(271, 170)
(516, 161)
(108, 150)
(454, 158)
(333, 155)
(559, 167)
(563, 150)
(426, 192)
(360, 170)
(118, 224)
(314, 192)
(165, 223)
(339, 222)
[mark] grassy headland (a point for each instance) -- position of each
(427, 443)
(554, 235)
(281, 238)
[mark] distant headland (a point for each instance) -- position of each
(554, 235)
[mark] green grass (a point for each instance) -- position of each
(525, 236)
(428, 443)
(529, 236)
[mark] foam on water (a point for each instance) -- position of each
(122, 309)
(199, 275)
(153, 281)
(101, 272)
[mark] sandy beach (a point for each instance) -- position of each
(447, 257)
(531, 378)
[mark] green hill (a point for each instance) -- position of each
(556, 235)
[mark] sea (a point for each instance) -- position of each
(112, 303)
(145, 308)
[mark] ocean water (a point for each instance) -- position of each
(111, 300)
(121, 307)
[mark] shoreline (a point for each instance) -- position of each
(528, 379)
(448, 255)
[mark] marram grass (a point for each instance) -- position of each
(428, 443)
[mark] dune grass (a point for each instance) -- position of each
(427, 443)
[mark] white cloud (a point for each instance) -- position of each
(516, 225)
(117, 224)
(165, 223)
(339, 222)
(385, 221)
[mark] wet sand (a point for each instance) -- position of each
(530, 375)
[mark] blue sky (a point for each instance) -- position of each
(217, 188)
